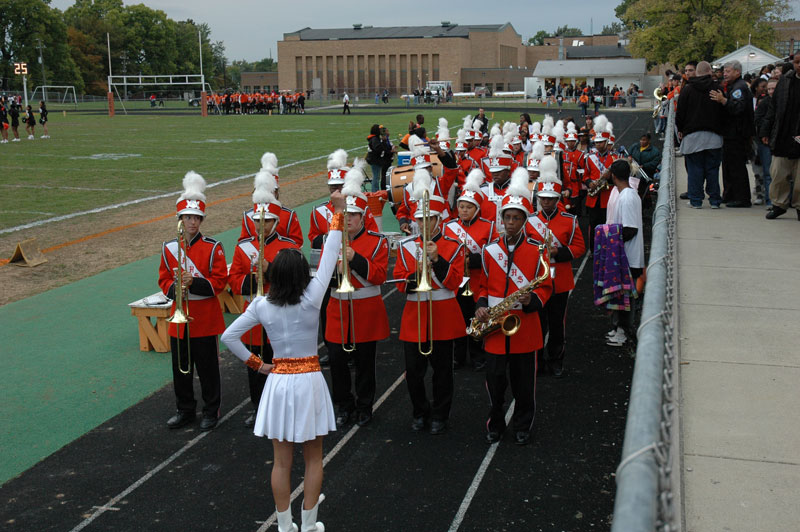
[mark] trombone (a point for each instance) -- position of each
(259, 273)
(346, 287)
(181, 316)
(424, 277)
(467, 290)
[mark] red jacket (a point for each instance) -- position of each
(594, 161)
(242, 278)
(320, 218)
(474, 236)
(205, 260)
(446, 276)
(490, 206)
(367, 274)
(441, 187)
(502, 278)
(567, 236)
(288, 226)
(572, 178)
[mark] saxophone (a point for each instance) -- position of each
(602, 184)
(499, 315)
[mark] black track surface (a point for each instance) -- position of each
(383, 478)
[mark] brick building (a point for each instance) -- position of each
(366, 59)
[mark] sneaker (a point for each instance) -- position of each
(611, 333)
(15, 140)
(618, 340)
(715, 206)
(4, 141)
(43, 137)
(31, 137)
(758, 201)
(695, 206)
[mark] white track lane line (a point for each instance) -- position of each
(476, 481)
(191, 443)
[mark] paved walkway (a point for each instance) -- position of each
(739, 294)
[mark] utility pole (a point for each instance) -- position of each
(44, 78)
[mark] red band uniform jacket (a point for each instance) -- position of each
(288, 226)
(573, 161)
(569, 239)
(321, 218)
(593, 173)
(501, 279)
(440, 186)
(242, 278)
(474, 236)
(368, 271)
(205, 260)
(490, 206)
(446, 276)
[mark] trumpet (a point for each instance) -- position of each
(424, 277)
(500, 316)
(181, 316)
(467, 290)
(346, 287)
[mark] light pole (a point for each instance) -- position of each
(44, 78)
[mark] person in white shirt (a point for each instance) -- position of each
(627, 212)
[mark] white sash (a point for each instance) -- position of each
(187, 265)
(465, 237)
(325, 212)
(596, 161)
(412, 247)
(541, 228)
(498, 201)
(250, 250)
(500, 257)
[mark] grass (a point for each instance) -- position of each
(92, 160)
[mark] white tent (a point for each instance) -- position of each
(751, 57)
(606, 72)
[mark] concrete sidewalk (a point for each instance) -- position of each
(739, 307)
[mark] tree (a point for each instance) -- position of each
(614, 28)
(538, 39)
(677, 31)
(566, 31)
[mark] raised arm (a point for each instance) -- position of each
(315, 291)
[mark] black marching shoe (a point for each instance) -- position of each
(739, 205)
(493, 436)
(324, 359)
(798, 214)
(250, 422)
(776, 211)
(342, 419)
(438, 427)
(684, 195)
(479, 365)
(522, 437)
(557, 368)
(418, 424)
(364, 418)
(208, 423)
(180, 419)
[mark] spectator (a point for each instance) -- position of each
(759, 89)
(14, 114)
(699, 121)
(30, 122)
(388, 155)
(781, 130)
(346, 103)
(4, 120)
(484, 121)
(690, 69)
(737, 130)
(43, 119)
(648, 157)
(762, 149)
(375, 154)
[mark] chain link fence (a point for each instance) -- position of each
(648, 476)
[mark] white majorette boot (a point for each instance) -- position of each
(310, 523)
(285, 520)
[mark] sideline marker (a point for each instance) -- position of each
(27, 253)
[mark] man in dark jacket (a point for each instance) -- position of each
(737, 132)
(648, 157)
(699, 120)
(781, 129)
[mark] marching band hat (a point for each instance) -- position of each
(472, 188)
(193, 199)
(356, 200)
(264, 202)
(337, 167)
(518, 196)
(548, 185)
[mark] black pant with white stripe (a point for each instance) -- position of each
(520, 370)
(341, 382)
(441, 361)
(553, 318)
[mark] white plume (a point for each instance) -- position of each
(495, 130)
(264, 196)
(461, 136)
(467, 123)
(547, 123)
(538, 150)
(510, 127)
(518, 186)
(558, 131)
(194, 187)
(475, 179)
(422, 182)
(264, 182)
(548, 168)
(269, 161)
(536, 128)
(600, 124)
(417, 146)
(610, 129)
(571, 127)
(443, 132)
(337, 159)
(508, 137)
(477, 124)
(496, 146)
(354, 178)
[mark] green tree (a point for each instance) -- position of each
(677, 31)
(265, 65)
(538, 39)
(613, 29)
(566, 31)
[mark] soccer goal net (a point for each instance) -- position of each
(64, 94)
(156, 82)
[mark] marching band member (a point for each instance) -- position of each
(499, 166)
(573, 161)
(295, 406)
(421, 160)
(452, 172)
(204, 275)
(288, 225)
(536, 155)
(509, 264)
(474, 232)
(475, 137)
(367, 256)
(547, 136)
(464, 162)
(243, 279)
(431, 319)
(597, 165)
(566, 244)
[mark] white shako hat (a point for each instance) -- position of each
(536, 132)
(547, 131)
(443, 134)
(572, 133)
(269, 162)
(535, 156)
(461, 140)
(422, 182)
(420, 157)
(193, 199)
(337, 167)
(548, 185)
(518, 196)
(601, 132)
(498, 159)
(558, 133)
(468, 135)
(477, 124)
(264, 198)
(353, 180)
(472, 188)
(495, 130)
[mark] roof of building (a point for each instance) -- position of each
(590, 68)
(751, 57)
(396, 32)
(596, 52)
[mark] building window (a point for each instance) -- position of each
(466, 88)
(499, 87)
(392, 71)
(415, 81)
(246, 88)
(256, 88)
(351, 76)
(435, 67)
(309, 73)
(381, 72)
(298, 62)
(362, 75)
(340, 72)
(329, 68)
(425, 74)
(371, 70)
(403, 84)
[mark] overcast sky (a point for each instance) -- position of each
(250, 28)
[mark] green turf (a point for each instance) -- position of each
(157, 150)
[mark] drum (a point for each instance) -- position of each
(397, 177)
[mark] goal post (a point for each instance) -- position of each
(69, 91)
(167, 80)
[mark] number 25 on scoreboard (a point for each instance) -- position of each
(20, 69)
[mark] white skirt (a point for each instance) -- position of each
(295, 407)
